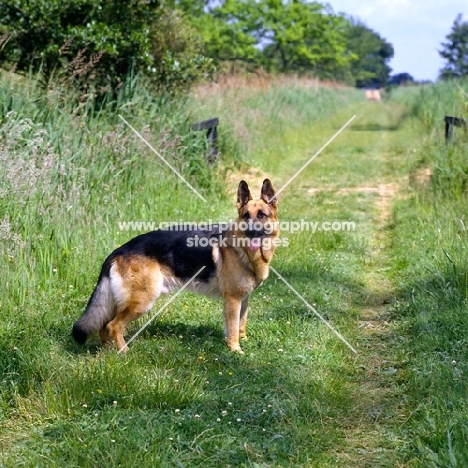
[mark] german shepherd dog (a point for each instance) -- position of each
(235, 258)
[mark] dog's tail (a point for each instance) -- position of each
(99, 311)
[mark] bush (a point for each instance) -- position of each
(96, 44)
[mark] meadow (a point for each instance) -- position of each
(395, 287)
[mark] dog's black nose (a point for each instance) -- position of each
(254, 228)
(252, 234)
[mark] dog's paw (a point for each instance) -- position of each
(235, 348)
(123, 350)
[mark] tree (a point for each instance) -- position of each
(304, 37)
(291, 36)
(98, 43)
(455, 50)
(285, 36)
(400, 79)
(372, 52)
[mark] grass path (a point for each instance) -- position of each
(362, 174)
(374, 442)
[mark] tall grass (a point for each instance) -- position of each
(70, 174)
(430, 246)
(262, 115)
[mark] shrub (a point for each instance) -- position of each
(97, 44)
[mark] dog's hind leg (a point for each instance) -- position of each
(136, 284)
(243, 318)
(116, 327)
(104, 335)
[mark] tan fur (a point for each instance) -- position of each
(240, 273)
(136, 282)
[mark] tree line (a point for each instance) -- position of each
(176, 42)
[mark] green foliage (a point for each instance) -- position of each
(455, 50)
(296, 37)
(305, 37)
(280, 36)
(372, 52)
(97, 43)
(400, 79)
(432, 103)
(176, 50)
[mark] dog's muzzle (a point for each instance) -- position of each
(255, 232)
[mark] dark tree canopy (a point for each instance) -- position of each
(400, 79)
(100, 42)
(455, 50)
(370, 68)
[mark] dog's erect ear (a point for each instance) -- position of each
(243, 194)
(268, 192)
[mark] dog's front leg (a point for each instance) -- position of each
(232, 311)
(243, 318)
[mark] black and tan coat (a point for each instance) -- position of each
(137, 273)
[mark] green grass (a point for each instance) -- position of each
(429, 243)
(395, 287)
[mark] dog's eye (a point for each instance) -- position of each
(261, 215)
(246, 215)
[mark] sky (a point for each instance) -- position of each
(415, 28)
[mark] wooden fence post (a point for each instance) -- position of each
(211, 127)
(450, 122)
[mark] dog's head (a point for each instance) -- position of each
(257, 219)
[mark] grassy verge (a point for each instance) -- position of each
(69, 175)
(429, 245)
